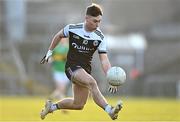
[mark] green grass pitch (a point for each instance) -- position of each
(15, 109)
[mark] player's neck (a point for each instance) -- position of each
(86, 28)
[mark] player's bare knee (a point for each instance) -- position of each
(80, 107)
(92, 82)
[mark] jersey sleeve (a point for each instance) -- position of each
(103, 46)
(66, 31)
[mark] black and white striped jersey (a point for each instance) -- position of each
(82, 45)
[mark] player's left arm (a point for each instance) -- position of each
(105, 63)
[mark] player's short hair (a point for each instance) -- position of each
(94, 10)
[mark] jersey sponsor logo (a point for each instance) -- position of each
(82, 48)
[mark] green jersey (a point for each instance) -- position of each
(59, 57)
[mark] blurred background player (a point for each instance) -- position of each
(58, 61)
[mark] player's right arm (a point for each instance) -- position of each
(63, 33)
(56, 39)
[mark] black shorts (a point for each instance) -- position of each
(69, 71)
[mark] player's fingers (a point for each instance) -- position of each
(110, 89)
(47, 60)
(116, 88)
(43, 60)
(113, 89)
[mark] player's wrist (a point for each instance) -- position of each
(49, 53)
(50, 50)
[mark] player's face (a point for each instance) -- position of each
(92, 22)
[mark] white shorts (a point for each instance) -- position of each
(60, 78)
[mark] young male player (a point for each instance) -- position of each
(84, 39)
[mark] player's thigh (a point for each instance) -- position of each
(80, 94)
(81, 77)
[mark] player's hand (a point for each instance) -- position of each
(46, 57)
(112, 89)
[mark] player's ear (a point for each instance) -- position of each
(87, 17)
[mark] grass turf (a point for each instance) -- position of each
(134, 109)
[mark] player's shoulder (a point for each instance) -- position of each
(99, 33)
(76, 26)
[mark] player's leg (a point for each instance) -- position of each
(82, 78)
(78, 101)
(75, 103)
(61, 87)
(85, 79)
